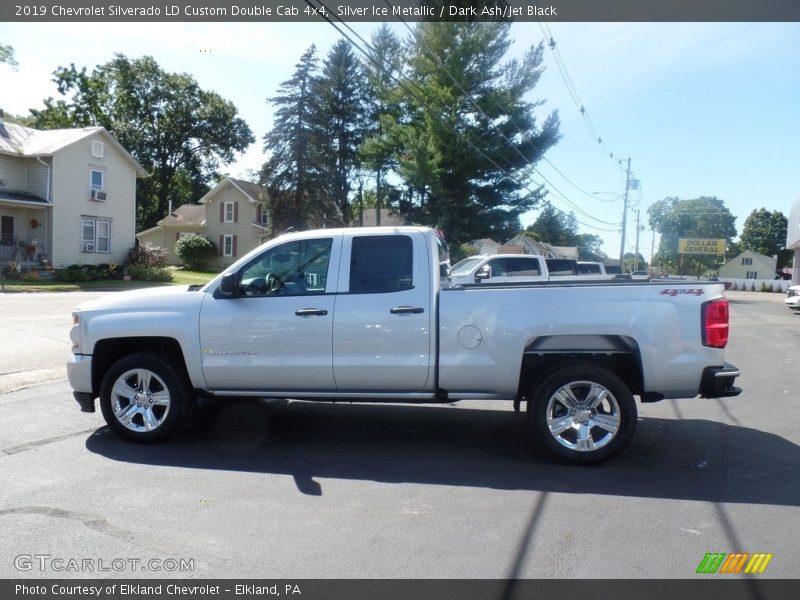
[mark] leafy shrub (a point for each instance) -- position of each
(70, 275)
(143, 273)
(147, 255)
(195, 250)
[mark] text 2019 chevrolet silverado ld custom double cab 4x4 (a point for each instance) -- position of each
(369, 314)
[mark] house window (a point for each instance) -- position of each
(752, 275)
(95, 235)
(261, 215)
(95, 179)
(228, 216)
(747, 261)
(97, 149)
(227, 245)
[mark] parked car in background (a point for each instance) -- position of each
(793, 297)
(586, 267)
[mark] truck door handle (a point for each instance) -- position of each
(311, 312)
(404, 310)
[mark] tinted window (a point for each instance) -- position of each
(561, 266)
(381, 263)
(588, 268)
(521, 267)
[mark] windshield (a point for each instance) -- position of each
(465, 266)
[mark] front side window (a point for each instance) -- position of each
(96, 179)
(298, 268)
(381, 264)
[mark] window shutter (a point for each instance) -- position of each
(235, 216)
(258, 214)
(234, 244)
(221, 248)
(177, 235)
(221, 212)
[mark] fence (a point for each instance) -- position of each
(757, 285)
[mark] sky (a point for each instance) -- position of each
(701, 109)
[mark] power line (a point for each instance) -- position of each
(406, 88)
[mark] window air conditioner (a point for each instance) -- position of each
(98, 195)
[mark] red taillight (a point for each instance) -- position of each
(715, 323)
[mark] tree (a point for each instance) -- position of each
(382, 105)
(341, 115)
(295, 172)
(703, 218)
(554, 227)
(180, 133)
(7, 56)
(765, 232)
(470, 132)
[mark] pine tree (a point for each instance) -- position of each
(341, 118)
(475, 135)
(295, 172)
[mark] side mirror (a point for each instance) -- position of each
(228, 287)
(483, 273)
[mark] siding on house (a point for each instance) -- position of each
(749, 265)
(71, 202)
(245, 235)
(165, 237)
(12, 172)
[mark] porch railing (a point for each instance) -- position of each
(8, 247)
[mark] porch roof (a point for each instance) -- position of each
(23, 198)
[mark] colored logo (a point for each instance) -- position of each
(737, 562)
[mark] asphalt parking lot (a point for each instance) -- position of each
(285, 489)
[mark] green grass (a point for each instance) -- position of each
(180, 277)
(186, 277)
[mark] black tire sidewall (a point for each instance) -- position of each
(179, 390)
(543, 390)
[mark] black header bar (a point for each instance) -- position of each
(277, 11)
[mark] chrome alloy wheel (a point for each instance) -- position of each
(583, 416)
(140, 400)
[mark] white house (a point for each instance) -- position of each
(749, 265)
(67, 196)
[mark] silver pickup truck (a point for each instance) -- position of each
(368, 314)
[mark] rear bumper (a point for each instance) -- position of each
(717, 382)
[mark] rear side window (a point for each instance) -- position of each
(589, 268)
(521, 267)
(381, 264)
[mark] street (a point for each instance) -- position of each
(282, 489)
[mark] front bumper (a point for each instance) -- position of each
(793, 302)
(717, 382)
(79, 373)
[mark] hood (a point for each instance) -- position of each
(151, 298)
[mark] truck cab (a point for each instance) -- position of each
(499, 268)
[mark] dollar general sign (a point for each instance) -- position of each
(701, 246)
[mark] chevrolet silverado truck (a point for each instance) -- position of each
(500, 268)
(368, 314)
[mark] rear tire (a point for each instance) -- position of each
(145, 397)
(582, 414)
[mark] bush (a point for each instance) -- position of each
(143, 273)
(147, 255)
(71, 275)
(195, 250)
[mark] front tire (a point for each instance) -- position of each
(582, 414)
(145, 397)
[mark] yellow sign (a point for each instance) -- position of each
(701, 246)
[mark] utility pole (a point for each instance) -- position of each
(624, 216)
(636, 255)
